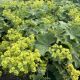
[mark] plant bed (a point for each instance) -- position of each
(40, 40)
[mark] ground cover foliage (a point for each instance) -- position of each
(39, 40)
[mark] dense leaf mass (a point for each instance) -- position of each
(40, 39)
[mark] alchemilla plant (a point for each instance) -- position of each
(40, 39)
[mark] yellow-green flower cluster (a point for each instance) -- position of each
(17, 60)
(38, 4)
(47, 19)
(51, 4)
(17, 40)
(74, 74)
(3, 46)
(13, 35)
(8, 4)
(60, 53)
(18, 55)
(15, 19)
(75, 14)
(30, 23)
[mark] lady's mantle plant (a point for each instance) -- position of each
(18, 54)
(40, 39)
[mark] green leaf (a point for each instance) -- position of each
(42, 48)
(46, 39)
